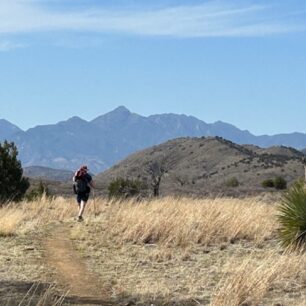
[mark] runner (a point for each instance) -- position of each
(82, 183)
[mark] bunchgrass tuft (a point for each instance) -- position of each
(292, 217)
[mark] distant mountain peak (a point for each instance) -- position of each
(118, 114)
(7, 129)
(121, 109)
(4, 122)
(75, 119)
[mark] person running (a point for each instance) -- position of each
(82, 183)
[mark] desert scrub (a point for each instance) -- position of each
(232, 182)
(38, 192)
(292, 217)
(268, 183)
(280, 183)
(125, 188)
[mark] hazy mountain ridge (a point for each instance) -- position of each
(48, 173)
(7, 129)
(109, 138)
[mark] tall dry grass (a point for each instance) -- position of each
(10, 219)
(182, 222)
(167, 221)
(249, 281)
(25, 216)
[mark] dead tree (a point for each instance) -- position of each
(157, 169)
(304, 163)
(181, 179)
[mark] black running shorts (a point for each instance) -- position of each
(82, 197)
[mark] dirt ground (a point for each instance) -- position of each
(45, 269)
(152, 275)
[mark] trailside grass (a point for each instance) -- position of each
(166, 251)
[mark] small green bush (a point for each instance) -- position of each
(125, 188)
(292, 217)
(232, 182)
(268, 183)
(280, 183)
(38, 192)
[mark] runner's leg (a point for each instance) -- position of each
(81, 208)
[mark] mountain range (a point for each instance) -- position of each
(111, 137)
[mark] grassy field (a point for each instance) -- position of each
(167, 251)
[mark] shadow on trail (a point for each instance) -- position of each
(21, 293)
(17, 293)
(32, 294)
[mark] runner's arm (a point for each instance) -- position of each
(92, 184)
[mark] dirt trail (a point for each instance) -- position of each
(71, 271)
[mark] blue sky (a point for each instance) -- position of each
(242, 62)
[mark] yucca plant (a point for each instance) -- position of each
(292, 217)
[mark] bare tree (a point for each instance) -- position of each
(157, 169)
(181, 179)
(304, 163)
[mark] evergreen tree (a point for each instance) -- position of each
(12, 184)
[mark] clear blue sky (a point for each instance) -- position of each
(242, 62)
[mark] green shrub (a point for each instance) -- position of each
(292, 217)
(12, 184)
(280, 183)
(232, 182)
(38, 192)
(125, 188)
(277, 183)
(268, 183)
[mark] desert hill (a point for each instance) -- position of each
(202, 166)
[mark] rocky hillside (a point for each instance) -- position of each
(203, 166)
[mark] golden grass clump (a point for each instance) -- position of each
(10, 219)
(248, 282)
(25, 216)
(182, 222)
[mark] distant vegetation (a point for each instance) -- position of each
(268, 183)
(232, 182)
(126, 188)
(39, 191)
(278, 183)
(13, 185)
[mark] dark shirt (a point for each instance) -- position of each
(87, 177)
